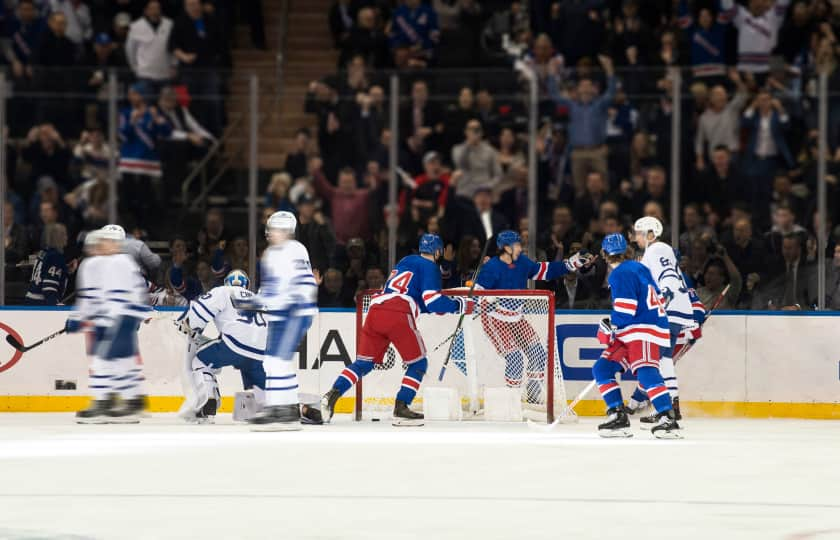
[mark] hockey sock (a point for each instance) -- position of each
(514, 366)
(666, 363)
(127, 377)
(281, 384)
(604, 372)
(650, 378)
(352, 374)
(639, 396)
(100, 381)
(411, 380)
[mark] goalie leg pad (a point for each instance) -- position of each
(411, 380)
(650, 378)
(604, 371)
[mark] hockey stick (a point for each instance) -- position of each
(10, 339)
(682, 352)
(461, 318)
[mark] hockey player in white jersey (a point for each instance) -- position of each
(112, 302)
(241, 344)
(661, 260)
(287, 296)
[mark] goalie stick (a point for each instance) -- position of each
(682, 352)
(461, 318)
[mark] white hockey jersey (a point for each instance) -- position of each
(756, 35)
(660, 259)
(243, 332)
(123, 287)
(88, 290)
(286, 280)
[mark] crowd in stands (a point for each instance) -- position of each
(748, 139)
(170, 58)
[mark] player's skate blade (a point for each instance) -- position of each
(617, 425)
(405, 417)
(130, 412)
(666, 426)
(328, 405)
(96, 413)
(277, 418)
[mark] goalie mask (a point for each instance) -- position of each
(237, 278)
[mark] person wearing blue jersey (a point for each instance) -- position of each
(412, 288)
(634, 333)
(50, 273)
(511, 334)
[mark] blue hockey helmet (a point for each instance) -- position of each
(237, 278)
(430, 243)
(507, 238)
(614, 244)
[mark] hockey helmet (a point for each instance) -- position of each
(614, 244)
(648, 224)
(112, 232)
(281, 221)
(430, 243)
(237, 278)
(507, 238)
(92, 238)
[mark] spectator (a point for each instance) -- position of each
(720, 271)
(212, 234)
(24, 31)
(356, 80)
(420, 117)
(784, 224)
(147, 47)
(485, 111)
(298, 158)
(368, 122)
(92, 154)
(55, 50)
(315, 233)
(758, 26)
(457, 116)
(513, 202)
(374, 278)
(575, 292)
(90, 202)
(476, 161)
(783, 195)
(331, 294)
(622, 119)
(767, 151)
(349, 204)
(511, 157)
(720, 185)
(277, 194)
(44, 210)
(46, 152)
(341, 22)
(792, 289)
(694, 228)
(106, 56)
(718, 125)
(140, 128)
(333, 125)
(832, 285)
(431, 189)
(196, 42)
(654, 191)
(708, 44)
(367, 40)
(188, 141)
(587, 124)
(746, 250)
(577, 28)
(557, 240)
(631, 34)
(474, 218)
(588, 204)
(546, 63)
(51, 272)
(120, 27)
(414, 34)
(14, 236)
(79, 22)
(466, 261)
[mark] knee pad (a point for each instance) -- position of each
(604, 370)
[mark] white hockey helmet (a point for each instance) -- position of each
(92, 238)
(281, 221)
(112, 232)
(648, 224)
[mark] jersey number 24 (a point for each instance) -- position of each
(399, 282)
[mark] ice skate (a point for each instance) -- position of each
(277, 418)
(403, 416)
(647, 422)
(636, 407)
(617, 424)
(328, 405)
(310, 415)
(666, 426)
(207, 414)
(130, 412)
(97, 412)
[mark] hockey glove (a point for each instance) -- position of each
(73, 324)
(183, 326)
(606, 332)
(578, 261)
(466, 306)
(667, 296)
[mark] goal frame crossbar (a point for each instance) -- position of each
(478, 294)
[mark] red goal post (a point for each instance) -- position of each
(509, 341)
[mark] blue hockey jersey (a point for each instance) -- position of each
(638, 311)
(708, 47)
(497, 274)
(49, 278)
(417, 281)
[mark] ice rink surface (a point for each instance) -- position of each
(756, 479)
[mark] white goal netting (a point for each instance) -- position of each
(508, 342)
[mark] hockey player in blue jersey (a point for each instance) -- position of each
(512, 335)
(50, 273)
(412, 288)
(241, 344)
(634, 334)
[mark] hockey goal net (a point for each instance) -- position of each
(507, 342)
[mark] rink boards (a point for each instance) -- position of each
(755, 365)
